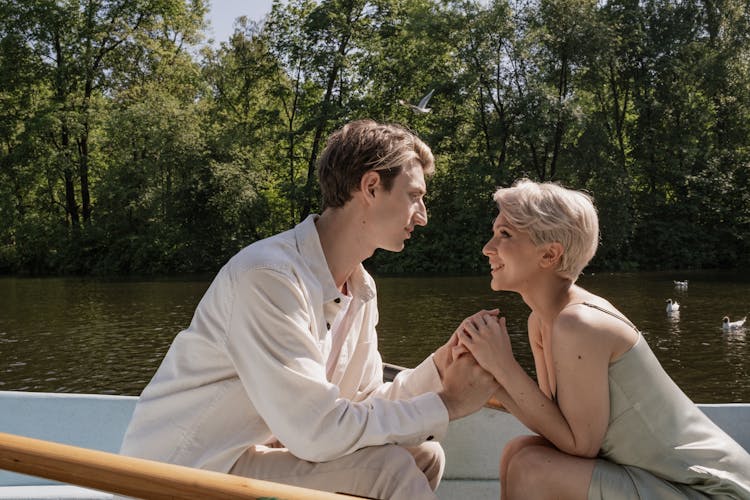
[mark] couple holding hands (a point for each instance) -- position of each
(278, 377)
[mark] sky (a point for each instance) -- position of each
(224, 12)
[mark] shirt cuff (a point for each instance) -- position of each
(434, 416)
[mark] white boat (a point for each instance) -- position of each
(98, 422)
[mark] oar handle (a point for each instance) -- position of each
(137, 477)
(494, 404)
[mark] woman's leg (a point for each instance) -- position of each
(510, 451)
(531, 468)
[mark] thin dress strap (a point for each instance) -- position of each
(607, 311)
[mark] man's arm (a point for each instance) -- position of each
(463, 388)
(283, 371)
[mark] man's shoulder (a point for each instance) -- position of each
(294, 255)
(275, 252)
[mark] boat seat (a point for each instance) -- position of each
(88, 420)
(52, 492)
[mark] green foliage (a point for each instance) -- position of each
(125, 149)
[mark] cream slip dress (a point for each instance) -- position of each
(659, 444)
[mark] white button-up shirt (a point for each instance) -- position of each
(251, 368)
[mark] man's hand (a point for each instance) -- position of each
(443, 357)
(466, 387)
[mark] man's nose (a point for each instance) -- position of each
(420, 218)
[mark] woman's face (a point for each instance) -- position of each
(512, 256)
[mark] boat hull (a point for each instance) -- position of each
(472, 445)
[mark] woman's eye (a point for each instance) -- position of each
(505, 234)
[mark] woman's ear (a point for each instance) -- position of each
(369, 184)
(552, 255)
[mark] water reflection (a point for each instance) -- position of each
(673, 322)
(424, 313)
(69, 335)
(89, 336)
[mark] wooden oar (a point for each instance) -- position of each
(390, 371)
(137, 477)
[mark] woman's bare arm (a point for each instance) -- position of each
(578, 424)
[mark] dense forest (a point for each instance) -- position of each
(129, 145)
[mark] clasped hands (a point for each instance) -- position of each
(466, 362)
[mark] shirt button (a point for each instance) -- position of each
(430, 438)
(337, 300)
(328, 325)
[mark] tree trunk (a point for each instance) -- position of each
(323, 120)
(306, 208)
(83, 174)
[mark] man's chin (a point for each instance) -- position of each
(394, 248)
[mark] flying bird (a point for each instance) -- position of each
(732, 325)
(420, 108)
(672, 306)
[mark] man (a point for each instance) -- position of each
(278, 376)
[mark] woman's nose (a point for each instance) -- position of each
(488, 249)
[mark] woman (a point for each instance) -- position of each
(610, 422)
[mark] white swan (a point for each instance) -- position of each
(732, 325)
(680, 284)
(420, 108)
(672, 306)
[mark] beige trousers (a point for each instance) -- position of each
(384, 472)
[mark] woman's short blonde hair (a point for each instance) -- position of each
(551, 213)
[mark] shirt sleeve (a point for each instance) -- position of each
(423, 378)
(408, 383)
(271, 342)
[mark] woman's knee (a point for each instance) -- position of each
(514, 446)
(526, 469)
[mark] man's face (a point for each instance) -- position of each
(399, 210)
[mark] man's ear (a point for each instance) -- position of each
(369, 183)
(552, 255)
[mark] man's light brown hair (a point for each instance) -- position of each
(364, 145)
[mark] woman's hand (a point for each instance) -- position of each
(485, 336)
(446, 354)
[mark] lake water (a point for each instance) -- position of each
(108, 337)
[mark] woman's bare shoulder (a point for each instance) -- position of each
(609, 331)
(574, 319)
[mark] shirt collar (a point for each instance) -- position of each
(308, 244)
